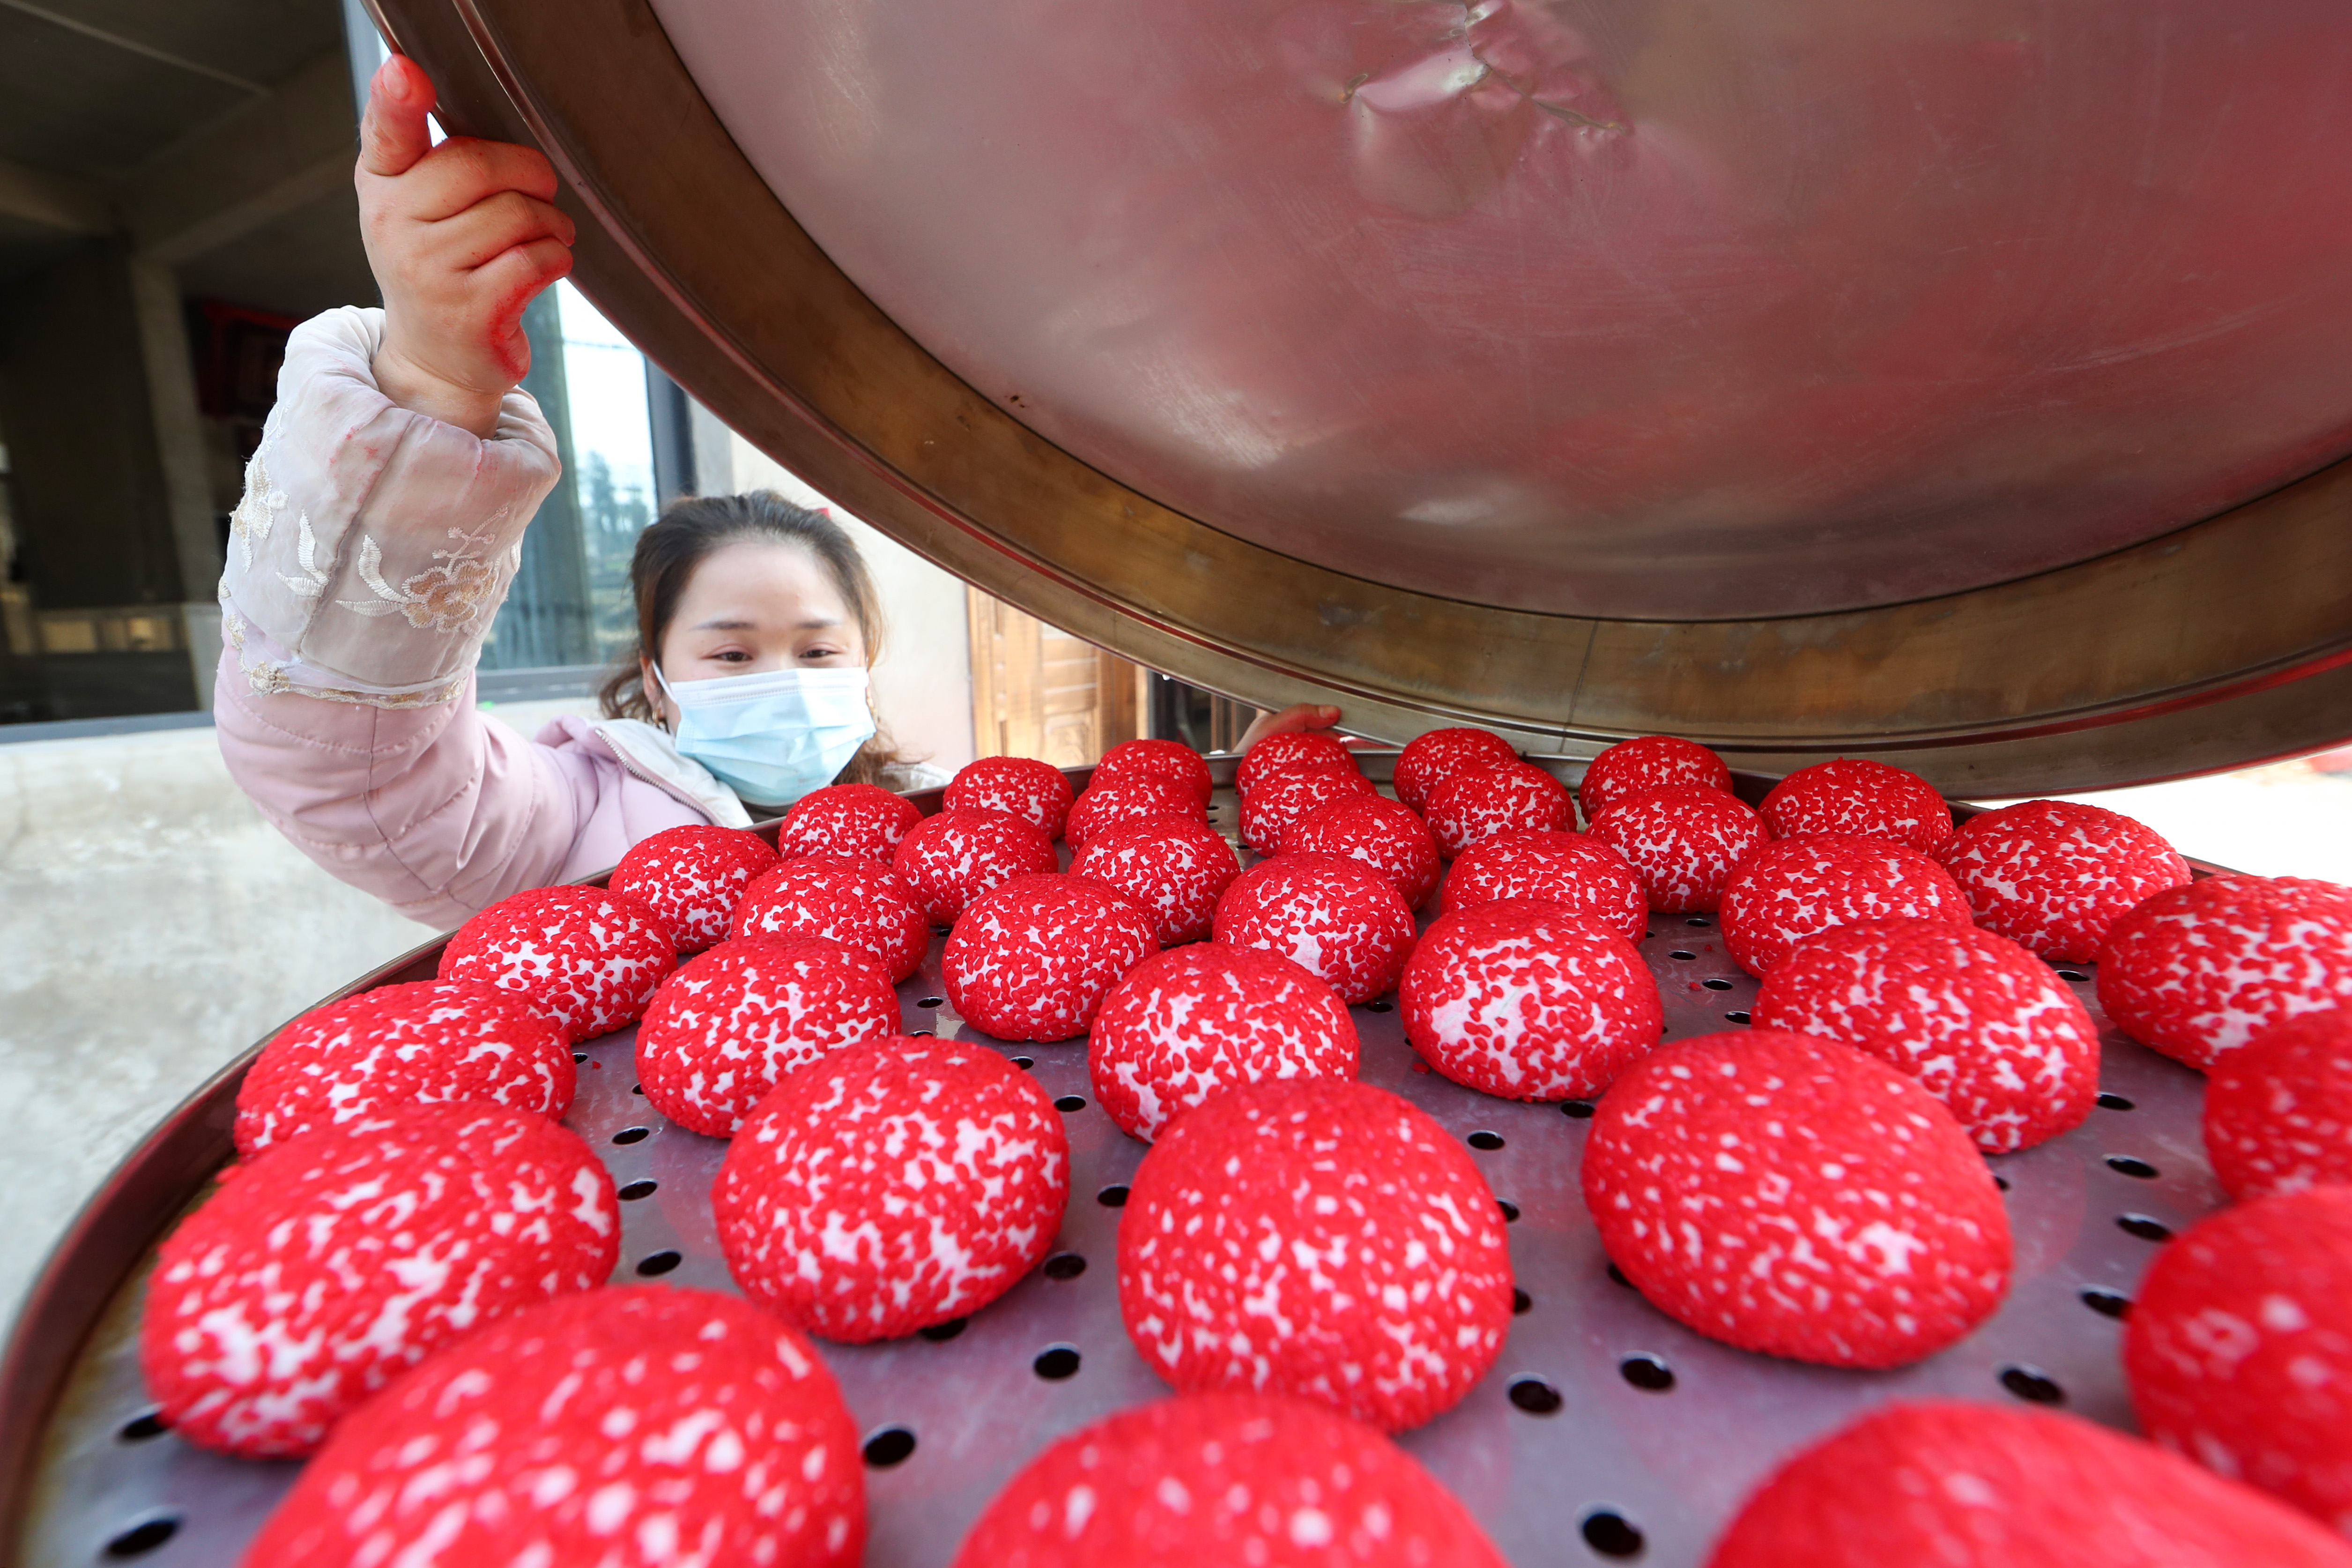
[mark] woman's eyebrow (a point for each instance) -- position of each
(737, 623)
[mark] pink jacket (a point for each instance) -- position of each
(366, 560)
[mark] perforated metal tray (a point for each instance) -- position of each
(1606, 1432)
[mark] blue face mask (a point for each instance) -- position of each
(773, 736)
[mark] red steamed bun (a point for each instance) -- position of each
(1792, 1195)
(2278, 1111)
(1573, 871)
(893, 1185)
(419, 1044)
(1214, 1478)
(1035, 792)
(1188, 1021)
(1684, 843)
(2239, 1348)
(1977, 1486)
(1338, 919)
(1293, 751)
(858, 821)
(587, 957)
(2196, 971)
(1170, 762)
(1854, 797)
(854, 901)
(733, 1024)
(1173, 865)
(1430, 757)
(1792, 887)
(952, 859)
(2054, 876)
(626, 1426)
(692, 878)
(1119, 800)
(1034, 958)
(1319, 1238)
(333, 1261)
(1528, 1001)
(1981, 1022)
(1648, 762)
(1384, 835)
(1467, 807)
(1280, 800)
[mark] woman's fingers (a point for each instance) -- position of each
(393, 134)
(1298, 716)
(462, 172)
(493, 226)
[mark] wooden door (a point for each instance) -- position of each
(1037, 691)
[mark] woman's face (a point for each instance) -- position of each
(755, 604)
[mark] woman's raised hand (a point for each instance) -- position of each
(461, 237)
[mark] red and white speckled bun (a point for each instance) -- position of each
(1170, 762)
(587, 957)
(1216, 1479)
(1854, 797)
(1648, 762)
(1118, 800)
(1472, 805)
(1684, 843)
(2055, 875)
(692, 878)
(1981, 1022)
(893, 1185)
(1388, 837)
(1281, 800)
(2196, 971)
(1321, 1239)
(1977, 1486)
(1570, 869)
(733, 1024)
(335, 1260)
(2239, 1348)
(644, 1428)
(1792, 887)
(1033, 959)
(1528, 1001)
(1338, 919)
(1793, 1195)
(855, 902)
(419, 1044)
(858, 821)
(2278, 1111)
(952, 859)
(1188, 1021)
(1292, 752)
(1035, 792)
(1438, 753)
(1173, 865)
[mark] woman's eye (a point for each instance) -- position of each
(731, 655)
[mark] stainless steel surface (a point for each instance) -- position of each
(1631, 309)
(1670, 1463)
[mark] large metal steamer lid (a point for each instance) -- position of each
(1956, 384)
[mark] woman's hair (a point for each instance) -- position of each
(670, 551)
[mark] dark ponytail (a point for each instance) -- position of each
(670, 551)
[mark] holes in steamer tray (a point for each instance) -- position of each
(2033, 1385)
(1646, 1372)
(891, 1446)
(1686, 956)
(1699, 920)
(2076, 975)
(1509, 1210)
(1112, 1197)
(578, 1058)
(2145, 1227)
(643, 1187)
(633, 1134)
(1739, 1017)
(1610, 1534)
(2113, 1101)
(1535, 1397)
(2107, 1303)
(1023, 1063)
(655, 1264)
(931, 1001)
(1065, 1266)
(1576, 1110)
(1070, 1103)
(1520, 1301)
(1382, 1005)
(142, 1428)
(2127, 1165)
(1717, 984)
(1056, 1363)
(1488, 1141)
(143, 1537)
(939, 1333)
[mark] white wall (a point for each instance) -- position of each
(923, 685)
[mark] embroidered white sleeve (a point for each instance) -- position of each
(405, 532)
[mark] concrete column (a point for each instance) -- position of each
(179, 428)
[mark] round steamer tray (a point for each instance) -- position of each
(1605, 1433)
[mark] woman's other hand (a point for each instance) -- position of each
(461, 237)
(1298, 716)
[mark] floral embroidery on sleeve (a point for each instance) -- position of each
(445, 597)
(256, 509)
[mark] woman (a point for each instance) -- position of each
(383, 519)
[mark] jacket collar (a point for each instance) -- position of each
(649, 753)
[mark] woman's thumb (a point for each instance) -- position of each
(392, 136)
